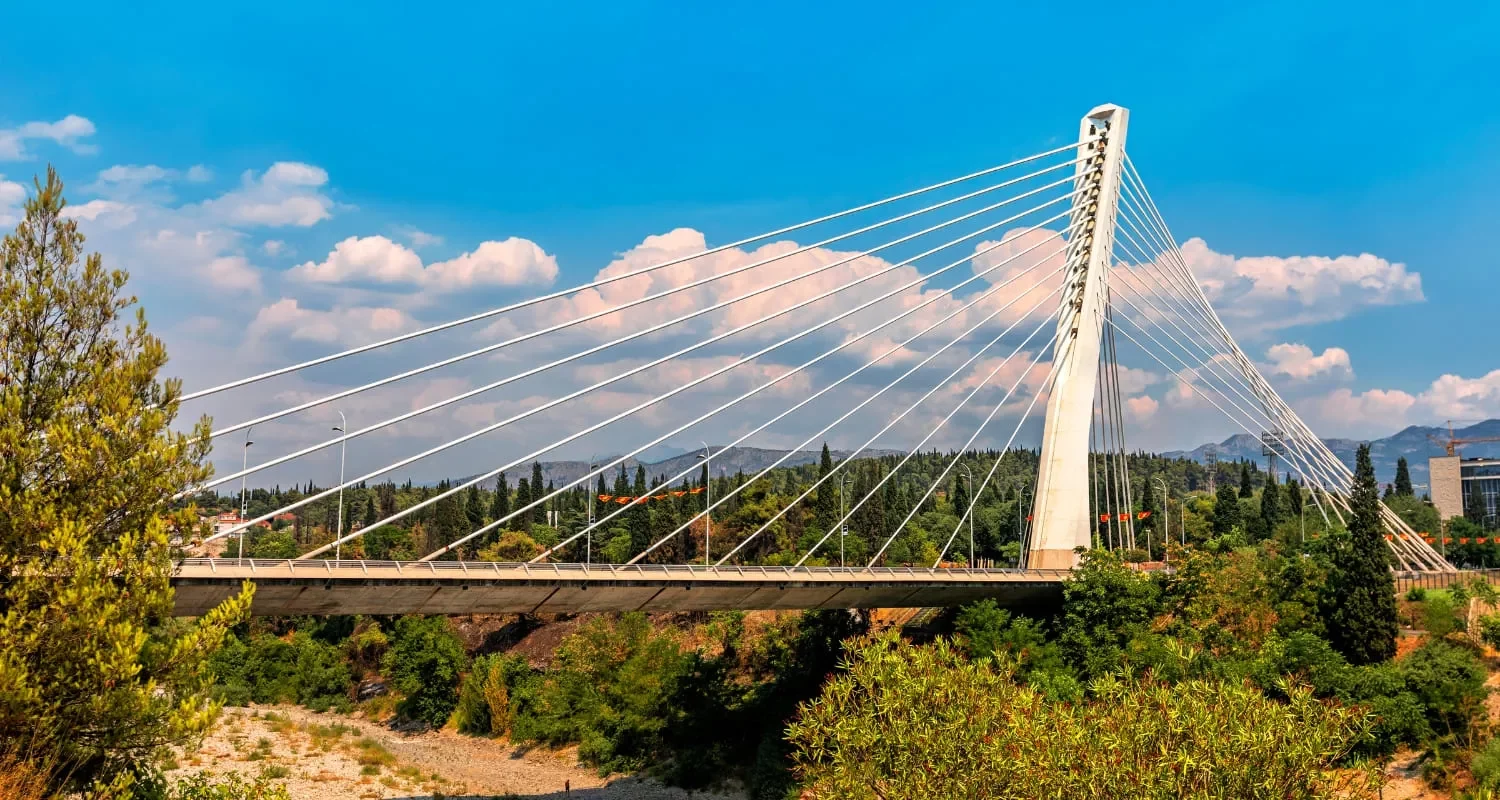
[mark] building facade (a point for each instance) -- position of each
(1466, 487)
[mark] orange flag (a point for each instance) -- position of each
(1142, 514)
(1104, 518)
(605, 498)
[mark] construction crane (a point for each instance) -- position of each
(1452, 443)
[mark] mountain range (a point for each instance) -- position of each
(1412, 442)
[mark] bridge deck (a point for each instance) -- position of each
(454, 587)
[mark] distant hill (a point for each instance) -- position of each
(1411, 442)
(728, 461)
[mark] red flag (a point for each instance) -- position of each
(1482, 540)
(678, 494)
(605, 498)
(1104, 518)
(1463, 540)
(1142, 514)
(698, 490)
(622, 500)
(1028, 517)
(1123, 517)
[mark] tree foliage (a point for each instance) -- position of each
(96, 678)
(921, 722)
(425, 661)
(1361, 596)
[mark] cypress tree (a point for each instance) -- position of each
(538, 514)
(1271, 509)
(1403, 477)
(825, 506)
(500, 506)
(1246, 487)
(522, 521)
(1294, 497)
(1361, 592)
(474, 507)
(1226, 510)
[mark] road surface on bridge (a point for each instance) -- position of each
(457, 587)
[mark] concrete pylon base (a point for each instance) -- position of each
(1052, 559)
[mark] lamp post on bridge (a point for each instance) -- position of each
(342, 428)
(588, 532)
(843, 523)
(1166, 529)
(244, 498)
(707, 457)
(970, 512)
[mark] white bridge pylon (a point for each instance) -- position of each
(1063, 250)
(1064, 520)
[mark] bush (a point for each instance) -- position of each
(1439, 615)
(272, 670)
(921, 722)
(425, 661)
(1448, 680)
(1416, 594)
(229, 786)
(609, 690)
(485, 706)
(1486, 765)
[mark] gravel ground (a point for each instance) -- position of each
(329, 756)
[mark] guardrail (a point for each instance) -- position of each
(313, 567)
(1443, 580)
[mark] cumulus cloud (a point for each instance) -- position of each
(1141, 408)
(1297, 361)
(288, 193)
(347, 326)
(12, 195)
(1262, 293)
(68, 132)
(1344, 411)
(376, 259)
(94, 209)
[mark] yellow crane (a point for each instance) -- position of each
(1453, 442)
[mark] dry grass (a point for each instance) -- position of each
(21, 779)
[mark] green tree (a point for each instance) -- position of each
(523, 498)
(96, 678)
(1226, 510)
(1246, 487)
(911, 722)
(500, 506)
(538, 514)
(826, 504)
(1271, 508)
(1361, 593)
(1403, 478)
(425, 661)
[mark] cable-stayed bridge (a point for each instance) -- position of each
(956, 314)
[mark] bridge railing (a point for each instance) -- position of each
(1443, 580)
(315, 567)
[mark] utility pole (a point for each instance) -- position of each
(588, 535)
(342, 428)
(843, 524)
(244, 499)
(969, 512)
(708, 495)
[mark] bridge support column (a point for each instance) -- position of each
(1062, 519)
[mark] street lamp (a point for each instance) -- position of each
(244, 499)
(338, 536)
(707, 457)
(843, 523)
(970, 512)
(1166, 537)
(588, 533)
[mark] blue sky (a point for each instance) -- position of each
(1265, 129)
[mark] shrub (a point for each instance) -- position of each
(1416, 594)
(484, 701)
(425, 661)
(1448, 680)
(1439, 615)
(229, 786)
(1486, 765)
(272, 670)
(1489, 629)
(920, 722)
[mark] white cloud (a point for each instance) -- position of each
(289, 193)
(1455, 397)
(273, 247)
(12, 196)
(132, 173)
(94, 209)
(1342, 410)
(232, 273)
(1141, 408)
(1298, 362)
(1261, 293)
(286, 318)
(420, 238)
(199, 174)
(376, 259)
(66, 132)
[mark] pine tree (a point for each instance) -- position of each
(825, 505)
(1403, 478)
(1294, 497)
(1226, 510)
(1360, 603)
(500, 506)
(1247, 488)
(96, 682)
(473, 507)
(639, 517)
(538, 514)
(522, 520)
(1271, 509)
